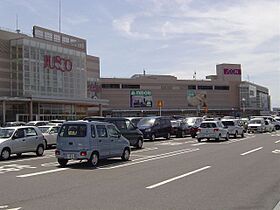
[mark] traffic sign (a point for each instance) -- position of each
(159, 103)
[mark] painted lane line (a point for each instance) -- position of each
(177, 177)
(28, 159)
(254, 150)
(198, 144)
(4, 207)
(18, 208)
(277, 142)
(277, 151)
(149, 159)
(277, 207)
(144, 150)
(42, 172)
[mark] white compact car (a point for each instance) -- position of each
(212, 130)
(233, 127)
(256, 125)
(18, 140)
(269, 127)
(50, 134)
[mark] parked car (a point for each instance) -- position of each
(127, 129)
(21, 139)
(180, 128)
(269, 127)
(256, 125)
(134, 120)
(37, 123)
(212, 130)
(154, 127)
(234, 127)
(50, 134)
(13, 124)
(91, 141)
(194, 123)
(272, 120)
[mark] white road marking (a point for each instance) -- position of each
(145, 150)
(277, 142)
(157, 157)
(198, 144)
(28, 159)
(177, 177)
(3, 207)
(15, 208)
(277, 151)
(13, 167)
(6, 206)
(254, 150)
(42, 172)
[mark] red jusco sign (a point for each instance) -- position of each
(232, 71)
(57, 63)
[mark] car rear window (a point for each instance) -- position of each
(73, 130)
(228, 123)
(208, 125)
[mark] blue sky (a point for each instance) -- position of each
(174, 37)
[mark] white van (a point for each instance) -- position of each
(92, 141)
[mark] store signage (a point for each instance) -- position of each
(57, 63)
(232, 71)
(141, 98)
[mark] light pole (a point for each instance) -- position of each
(243, 105)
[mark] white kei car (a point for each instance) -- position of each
(212, 130)
(50, 134)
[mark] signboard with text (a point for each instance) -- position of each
(57, 63)
(232, 71)
(141, 98)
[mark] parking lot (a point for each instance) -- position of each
(179, 173)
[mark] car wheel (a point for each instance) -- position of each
(153, 137)
(193, 136)
(139, 144)
(126, 154)
(19, 154)
(242, 134)
(199, 139)
(40, 150)
(5, 154)
(277, 127)
(235, 135)
(94, 159)
(62, 162)
(168, 136)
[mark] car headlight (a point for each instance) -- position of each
(148, 130)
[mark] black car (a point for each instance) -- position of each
(127, 129)
(154, 127)
(180, 128)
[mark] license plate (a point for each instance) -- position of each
(71, 156)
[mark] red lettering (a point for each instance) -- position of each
(58, 63)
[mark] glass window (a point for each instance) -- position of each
(101, 131)
(6, 133)
(112, 130)
(92, 131)
(30, 132)
(73, 130)
(192, 87)
(205, 87)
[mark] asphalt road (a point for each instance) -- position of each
(180, 173)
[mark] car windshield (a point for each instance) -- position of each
(255, 122)
(228, 123)
(175, 123)
(135, 121)
(146, 122)
(44, 129)
(31, 123)
(6, 133)
(190, 121)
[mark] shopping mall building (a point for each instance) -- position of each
(47, 76)
(223, 93)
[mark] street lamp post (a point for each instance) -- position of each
(243, 105)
